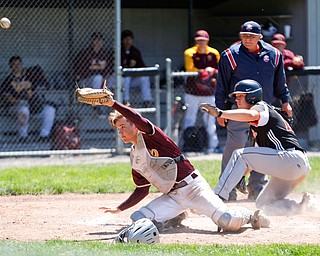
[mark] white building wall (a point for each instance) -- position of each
(159, 33)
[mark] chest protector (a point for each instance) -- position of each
(159, 171)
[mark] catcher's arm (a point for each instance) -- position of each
(94, 96)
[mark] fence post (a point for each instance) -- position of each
(118, 68)
(148, 71)
(169, 96)
(157, 98)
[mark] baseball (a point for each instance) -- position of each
(5, 22)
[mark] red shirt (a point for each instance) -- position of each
(288, 57)
(88, 57)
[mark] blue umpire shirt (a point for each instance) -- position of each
(266, 67)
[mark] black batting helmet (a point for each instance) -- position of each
(251, 88)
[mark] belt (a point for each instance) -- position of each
(185, 181)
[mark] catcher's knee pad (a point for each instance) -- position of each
(228, 219)
(142, 213)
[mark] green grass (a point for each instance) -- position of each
(103, 178)
(66, 179)
(116, 178)
(56, 248)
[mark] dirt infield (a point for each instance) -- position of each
(77, 217)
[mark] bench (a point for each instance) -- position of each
(9, 134)
(95, 131)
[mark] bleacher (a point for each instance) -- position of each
(92, 122)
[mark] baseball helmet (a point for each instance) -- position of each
(142, 231)
(251, 88)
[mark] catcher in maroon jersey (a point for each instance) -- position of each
(157, 160)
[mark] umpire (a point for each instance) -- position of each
(251, 58)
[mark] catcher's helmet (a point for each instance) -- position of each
(251, 88)
(142, 231)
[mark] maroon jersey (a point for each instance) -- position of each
(88, 57)
(132, 54)
(288, 57)
(196, 61)
(158, 144)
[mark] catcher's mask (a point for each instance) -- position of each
(142, 231)
(251, 88)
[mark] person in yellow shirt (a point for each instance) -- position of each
(204, 59)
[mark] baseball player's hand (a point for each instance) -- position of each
(287, 108)
(297, 60)
(132, 63)
(210, 109)
(221, 121)
(204, 74)
(109, 102)
(212, 71)
(113, 210)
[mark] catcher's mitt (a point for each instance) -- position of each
(93, 96)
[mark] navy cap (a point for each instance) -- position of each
(251, 27)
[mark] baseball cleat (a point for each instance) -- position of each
(259, 220)
(305, 199)
(305, 202)
(172, 223)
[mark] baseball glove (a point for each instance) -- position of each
(93, 96)
(210, 109)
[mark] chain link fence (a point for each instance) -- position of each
(47, 47)
(190, 139)
(304, 90)
(50, 47)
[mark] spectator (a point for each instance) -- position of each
(204, 59)
(21, 94)
(291, 60)
(305, 115)
(251, 58)
(278, 152)
(131, 58)
(91, 66)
